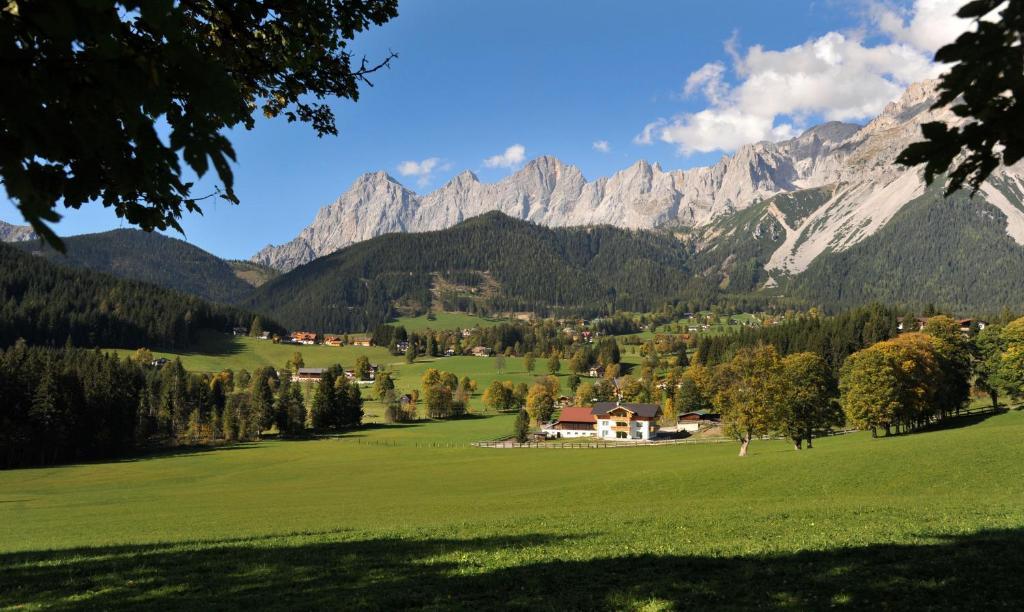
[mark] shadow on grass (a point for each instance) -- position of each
(959, 572)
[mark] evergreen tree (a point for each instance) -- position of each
(522, 427)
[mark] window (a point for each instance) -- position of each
(620, 424)
(621, 434)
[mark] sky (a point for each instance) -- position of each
(487, 86)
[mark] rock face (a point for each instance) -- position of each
(15, 233)
(856, 161)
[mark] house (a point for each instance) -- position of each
(264, 336)
(965, 325)
(481, 351)
(240, 331)
(596, 371)
(449, 352)
(691, 421)
(618, 421)
(159, 362)
(308, 375)
(402, 347)
(301, 337)
(361, 341)
(333, 341)
(573, 422)
(918, 324)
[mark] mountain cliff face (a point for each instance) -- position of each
(15, 233)
(853, 165)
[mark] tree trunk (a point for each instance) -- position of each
(874, 432)
(797, 444)
(995, 399)
(744, 443)
(809, 437)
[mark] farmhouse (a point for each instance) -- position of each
(691, 421)
(308, 375)
(596, 372)
(301, 337)
(574, 422)
(333, 340)
(362, 341)
(618, 421)
(481, 351)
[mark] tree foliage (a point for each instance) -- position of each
(985, 86)
(115, 71)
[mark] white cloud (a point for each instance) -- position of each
(423, 170)
(929, 25)
(513, 156)
(602, 146)
(776, 94)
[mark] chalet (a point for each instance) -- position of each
(618, 421)
(402, 346)
(308, 375)
(574, 422)
(692, 421)
(918, 325)
(159, 362)
(361, 341)
(333, 340)
(240, 331)
(596, 372)
(965, 325)
(481, 351)
(301, 337)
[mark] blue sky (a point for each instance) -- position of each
(474, 78)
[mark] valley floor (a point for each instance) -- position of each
(381, 519)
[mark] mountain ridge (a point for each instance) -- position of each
(859, 161)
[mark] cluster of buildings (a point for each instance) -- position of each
(620, 421)
(310, 338)
(315, 374)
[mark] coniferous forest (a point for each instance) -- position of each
(46, 304)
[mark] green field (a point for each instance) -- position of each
(445, 321)
(381, 519)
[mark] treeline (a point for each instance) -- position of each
(149, 257)
(50, 305)
(67, 404)
(552, 271)
(834, 338)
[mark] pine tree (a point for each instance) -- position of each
(522, 427)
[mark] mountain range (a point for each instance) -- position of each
(843, 174)
(827, 219)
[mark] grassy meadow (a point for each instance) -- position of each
(215, 352)
(384, 518)
(445, 320)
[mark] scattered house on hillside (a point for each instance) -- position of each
(965, 324)
(302, 337)
(467, 333)
(481, 351)
(563, 401)
(362, 341)
(573, 422)
(159, 362)
(240, 331)
(308, 375)
(692, 421)
(402, 347)
(618, 421)
(918, 324)
(449, 352)
(264, 336)
(333, 340)
(596, 371)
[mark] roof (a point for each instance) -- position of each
(644, 410)
(310, 371)
(576, 414)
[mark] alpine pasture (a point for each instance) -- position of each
(412, 516)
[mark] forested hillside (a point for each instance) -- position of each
(152, 258)
(952, 252)
(48, 304)
(488, 263)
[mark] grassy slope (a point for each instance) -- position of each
(216, 352)
(444, 320)
(930, 520)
